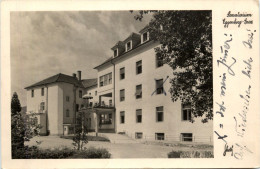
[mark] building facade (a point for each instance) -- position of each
(54, 102)
(130, 96)
(139, 83)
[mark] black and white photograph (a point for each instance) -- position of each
(111, 84)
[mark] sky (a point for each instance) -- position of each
(44, 44)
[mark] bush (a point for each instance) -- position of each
(59, 153)
(191, 154)
(92, 153)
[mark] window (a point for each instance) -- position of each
(106, 118)
(159, 136)
(159, 61)
(138, 93)
(42, 106)
(122, 73)
(122, 95)
(105, 79)
(89, 93)
(80, 94)
(159, 86)
(138, 135)
(67, 98)
(42, 91)
(159, 114)
(186, 112)
(139, 116)
(67, 113)
(101, 81)
(95, 93)
(122, 117)
(115, 53)
(110, 78)
(110, 103)
(145, 36)
(186, 136)
(128, 46)
(32, 93)
(139, 67)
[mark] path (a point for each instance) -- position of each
(125, 149)
(117, 138)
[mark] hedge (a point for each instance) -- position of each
(59, 153)
(191, 154)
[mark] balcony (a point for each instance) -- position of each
(103, 105)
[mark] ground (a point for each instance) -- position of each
(119, 147)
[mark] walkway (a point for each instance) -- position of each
(120, 147)
(117, 138)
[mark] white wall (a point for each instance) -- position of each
(33, 103)
(172, 125)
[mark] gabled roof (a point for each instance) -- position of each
(106, 61)
(134, 36)
(58, 78)
(113, 58)
(87, 83)
(144, 29)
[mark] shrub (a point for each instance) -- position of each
(59, 153)
(92, 153)
(174, 154)
(190, 154)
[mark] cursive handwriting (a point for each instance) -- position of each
(223, 60)
(248, 67)
(228, 149)
(242, 149)
(223, 85)
(248, 43)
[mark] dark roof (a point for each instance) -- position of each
(106, 61)
(144, 29)
(58, 78)
(87, 83)
(112, 58)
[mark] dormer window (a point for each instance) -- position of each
(128, 46)
(145, 37)
(115, 53)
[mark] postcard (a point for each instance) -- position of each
(130, 84)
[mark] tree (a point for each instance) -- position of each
(80, 136)
(17, 124)
(185, 39)
(22, 129)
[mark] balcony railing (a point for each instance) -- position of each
(102, 105)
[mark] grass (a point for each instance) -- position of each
(89, 138)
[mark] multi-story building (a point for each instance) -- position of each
(138, 83)
(131, 96)
(53, 102)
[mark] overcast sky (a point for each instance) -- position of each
(47, 43)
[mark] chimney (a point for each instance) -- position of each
(74, 75)
(79, 75)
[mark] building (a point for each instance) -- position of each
(53, 102)
(130, 96)
(137, 84)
